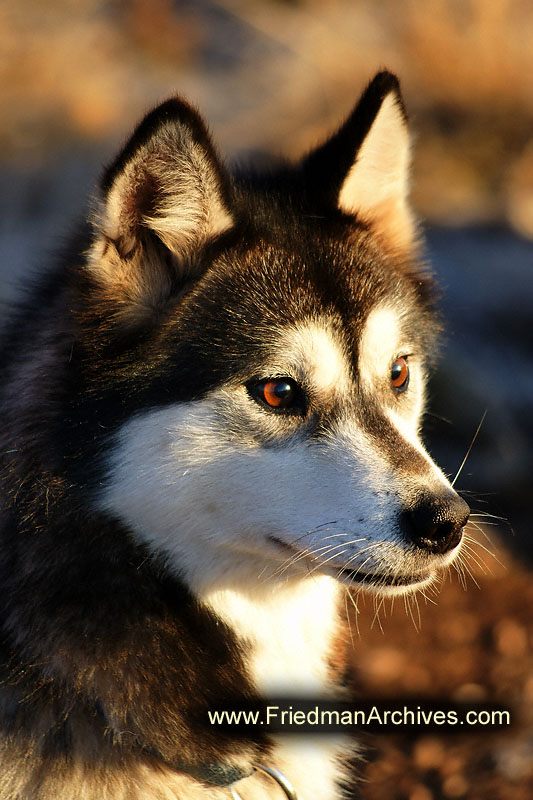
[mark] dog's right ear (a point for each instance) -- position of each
(363, 169)
(162, 200)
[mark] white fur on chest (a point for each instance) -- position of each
(290, 630)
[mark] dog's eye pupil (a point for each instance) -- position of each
(400, 374)
(279, 393)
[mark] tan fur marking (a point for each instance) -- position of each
(316, 356)
(379, 343)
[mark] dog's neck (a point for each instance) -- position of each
(289, 631)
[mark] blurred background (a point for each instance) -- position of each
(276, 77)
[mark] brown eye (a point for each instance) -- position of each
(399, 375)
(278, 393)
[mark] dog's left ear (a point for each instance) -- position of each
(363, 169)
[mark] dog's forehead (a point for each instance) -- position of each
(312, 312)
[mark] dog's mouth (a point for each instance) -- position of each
(354, 576)
(378, 579)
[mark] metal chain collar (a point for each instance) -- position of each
(276, 776)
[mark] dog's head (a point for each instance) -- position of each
(264, 342)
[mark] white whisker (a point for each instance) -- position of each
(463, 462)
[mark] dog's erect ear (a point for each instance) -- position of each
(363, 169)
(162, 200)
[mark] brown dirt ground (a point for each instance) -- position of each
(474, 644)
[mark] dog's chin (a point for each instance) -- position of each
(382, 583)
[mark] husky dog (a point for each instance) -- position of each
(210, 427)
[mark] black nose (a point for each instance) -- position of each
(435, 523)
